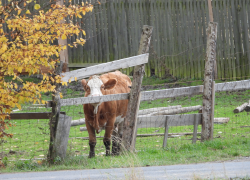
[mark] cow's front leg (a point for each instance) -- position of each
(92, 140)
(107, 137)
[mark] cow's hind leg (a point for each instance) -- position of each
(92, 140)
(117, 139)
(115, 142)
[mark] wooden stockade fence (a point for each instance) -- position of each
(179, 38)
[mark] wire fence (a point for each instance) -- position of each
(31, 137)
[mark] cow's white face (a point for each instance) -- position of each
(95, 85)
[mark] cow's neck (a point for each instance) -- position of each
(96, 107)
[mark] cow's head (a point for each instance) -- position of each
(95, 87)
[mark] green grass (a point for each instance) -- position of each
(231, 140)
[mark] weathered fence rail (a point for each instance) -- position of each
(105, 67)
(160, 94)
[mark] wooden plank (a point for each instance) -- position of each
(188, 37)
(192, 41)
(245, 39)
(105, 67)
(241, 36)
(221, 120)
(114, 30)
(211, 18)
(236, 34)
(170, 135)
(99, 31)
(82, 65)
(95, 36)
(212, 110)
(62, 135)
(230, 86)
(78, 122)
(216, 14)
(227, 58)
(221, 34)
(240, 108)
(178, 111)
(199, 48)
(196, 42)
(165, 134)
(33, 115)
(168, 93)
(151, 110)
(196, 120)
(124, 34)
(159, 94)
(106, 57)
(96, 99)
(173, 120)
(232, 46)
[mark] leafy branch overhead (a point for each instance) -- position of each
(27, 44)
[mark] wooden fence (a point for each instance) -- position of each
(179, 39)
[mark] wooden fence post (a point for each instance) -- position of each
(208, 92)
(130, 122)
(211, 19)
(56, 108)
(62, 135)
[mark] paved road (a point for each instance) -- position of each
(223, 170)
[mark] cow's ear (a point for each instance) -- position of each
(84, 84)
(110, 84)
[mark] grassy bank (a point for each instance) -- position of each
(231, 140)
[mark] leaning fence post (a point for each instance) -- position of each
(56, 108)
(208, 92)
(130, 122)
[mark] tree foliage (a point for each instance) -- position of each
(26, 44)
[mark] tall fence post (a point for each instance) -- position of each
(208, 92)
(130, 122)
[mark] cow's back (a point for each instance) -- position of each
(122, 86)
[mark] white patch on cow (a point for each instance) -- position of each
(95, 90)
(95, 86)
(103, 127)
(118, 120)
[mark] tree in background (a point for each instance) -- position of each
(26, 44)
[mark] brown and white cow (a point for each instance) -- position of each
(105, 115)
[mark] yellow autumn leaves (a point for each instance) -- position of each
(32, 47)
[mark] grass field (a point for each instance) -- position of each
(231, 140)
